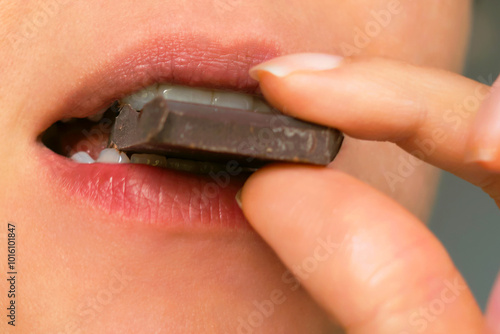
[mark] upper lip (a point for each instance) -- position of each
(191, 61)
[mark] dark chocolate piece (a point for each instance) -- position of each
(219, 134)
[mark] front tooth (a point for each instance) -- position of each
(112, 156)
(149, 159)
(139, 99)
(97, 117)
(232, 100)
(197, 95)
(185, 94)
(123, 158)
(82, 157)
(260, 105)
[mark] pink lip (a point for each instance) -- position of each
(151, 196)
(148, 195)
(191, 61)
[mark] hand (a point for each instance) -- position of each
(385, 272)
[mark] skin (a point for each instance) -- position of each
(206, 282)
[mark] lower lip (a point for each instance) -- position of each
(150, 196)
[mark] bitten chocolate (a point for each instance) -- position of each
(219, 134)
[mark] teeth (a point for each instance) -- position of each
(233, 100)
(261, 106)
(97, 117)
(82, 157)
(112, 156)
(139, 99)
(186, 94)
(197, 95)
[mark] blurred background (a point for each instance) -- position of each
(466, 220)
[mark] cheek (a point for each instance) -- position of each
(391, 170)
(429, 33)
(432, 33)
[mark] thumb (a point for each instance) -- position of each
(371, 264)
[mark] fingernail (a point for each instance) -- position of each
(493, 311)
(285, 65)
(484, 144)
(238, 198)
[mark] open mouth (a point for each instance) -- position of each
(136, 192)
(87, 140)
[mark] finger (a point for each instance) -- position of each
(427, 112)
(493, 312)
(484, 143)
(368, 261)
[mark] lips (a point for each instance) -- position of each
(150, 196)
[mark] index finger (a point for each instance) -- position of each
(428, 112)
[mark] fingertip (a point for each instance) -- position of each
(270, 193)
(483, 146)
(269, 182)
